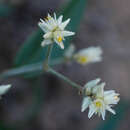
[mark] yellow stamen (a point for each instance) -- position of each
(59, 39)
(116, 97)
(82, 59)
(98, 104)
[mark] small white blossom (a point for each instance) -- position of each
(97, 99)
(54, 30)
(88, 55)
(4, 89)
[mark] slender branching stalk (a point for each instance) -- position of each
(46, 62)
(73, 84)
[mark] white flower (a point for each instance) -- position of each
(54, 30)
(4, 89)
(88, 55)
(97, 99)
(111, 97)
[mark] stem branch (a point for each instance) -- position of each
(73, 84)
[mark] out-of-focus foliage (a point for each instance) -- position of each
(37, 101)
(5, 10)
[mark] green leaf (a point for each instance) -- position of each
(113, 122)
(32, 52)
(29, 48)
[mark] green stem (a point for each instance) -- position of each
(46, 62)
(73, 84)
(48, 53)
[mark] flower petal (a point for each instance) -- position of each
(61, 45)
(103, 113)
(55, 16)
(46, 42)
(110, 97)
(67, 33)
(85, 103)
(92, 83)
(43, 26)
(60, 19)
(48, 35)
(99, 90)
(4, 89)
(93, 54)
(111, 110)
(64, 24)
(92, 110)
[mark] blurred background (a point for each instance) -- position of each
(46, 102)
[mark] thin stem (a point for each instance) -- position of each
(46, 62)
(73, 84)
(48, 53)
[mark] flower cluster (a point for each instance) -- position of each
(93, 92)
(54, 30)
(97, 99)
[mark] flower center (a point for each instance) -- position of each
(82, 59)
(56, 28)
(59, 39)
(98, 104)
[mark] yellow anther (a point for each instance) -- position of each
(116, 97)
(59, 39)
(98, 104)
